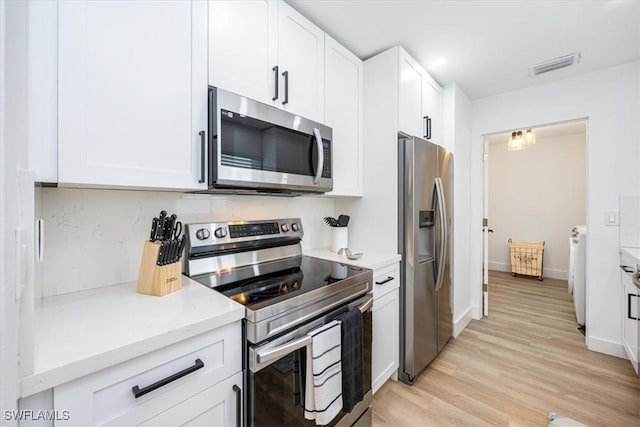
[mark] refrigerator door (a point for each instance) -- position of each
(419, 304)
(445, 301)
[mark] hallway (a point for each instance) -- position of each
(525, 360)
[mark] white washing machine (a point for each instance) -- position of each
(578, 270)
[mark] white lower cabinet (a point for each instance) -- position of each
(630, 315)
(194, 382)
(386, 327)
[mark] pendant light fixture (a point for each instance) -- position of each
(518, 141)
(529, 137)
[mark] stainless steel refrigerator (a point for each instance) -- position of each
(425, 199)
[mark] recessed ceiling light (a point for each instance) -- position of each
(439, 62)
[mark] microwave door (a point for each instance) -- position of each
(277, 150)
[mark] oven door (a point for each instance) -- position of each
(258, 146)
(275, 383)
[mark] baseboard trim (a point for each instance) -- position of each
(551, 273)
(462, 322)
(476, 312)
(605, 346)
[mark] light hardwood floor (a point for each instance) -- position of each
(510, 369)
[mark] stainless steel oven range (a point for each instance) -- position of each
(287, 295)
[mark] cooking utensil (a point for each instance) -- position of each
(168, 229)
(330, 221)
(177, 230)
(343, 220)
(349, 254)
(154, 229)
(161, 253)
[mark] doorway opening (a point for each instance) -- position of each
(537, 194)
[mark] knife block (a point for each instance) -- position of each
(155, 279)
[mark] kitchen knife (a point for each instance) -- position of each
(161, 253)
(168, 229)
(183, 241)
(154, 229)
(162, 219)
(173, 245)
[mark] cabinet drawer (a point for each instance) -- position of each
(385, 280)
(98, 398)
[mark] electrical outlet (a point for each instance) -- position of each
(612, 218)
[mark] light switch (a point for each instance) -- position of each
(612, 218)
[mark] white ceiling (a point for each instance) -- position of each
(489, 45)
(568, 128)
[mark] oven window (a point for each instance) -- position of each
(276, 392)
(253, 144)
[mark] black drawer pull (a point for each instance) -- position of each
(137, 391)
(629, 314)
(238, 392)
(203, 143)
(626, 269)
(387, 280)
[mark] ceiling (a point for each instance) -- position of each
(561, 129)
(489, 45)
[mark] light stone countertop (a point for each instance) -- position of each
(633, 252)
(83, 332)
(372, 260)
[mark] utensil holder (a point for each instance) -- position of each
(340, 238)
(155, 279)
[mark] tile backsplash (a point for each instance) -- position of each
(94, 238)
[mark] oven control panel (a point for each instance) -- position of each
(224, 233)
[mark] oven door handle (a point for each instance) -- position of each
(366, 305)
(276, 353)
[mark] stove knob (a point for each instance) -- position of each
(284, 227)
(220, 232)
(295, 226)
(203, 234)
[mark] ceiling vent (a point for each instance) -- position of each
(554, 64)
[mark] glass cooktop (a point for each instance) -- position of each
(311, 274)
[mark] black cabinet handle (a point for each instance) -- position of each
(626, 269)
(238, 405)
(286, 87)
(202, 155)
(275, 69)
(428, 127)
(629, 306)
(138, 392)
(425, 118)
(387, 280)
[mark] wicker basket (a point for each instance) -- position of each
(526, 258)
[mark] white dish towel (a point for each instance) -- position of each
(323, 384)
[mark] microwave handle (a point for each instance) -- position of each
(320, 150)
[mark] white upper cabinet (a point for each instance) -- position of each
(132, 88)
(419, 101)
(410, 95)
(432, 110)
(243, 37)
(343, 113)
(301, 64)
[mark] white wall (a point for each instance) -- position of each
(94, 238)
(609, 99)
(456, 131)
(537, 194)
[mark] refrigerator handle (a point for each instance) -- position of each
(442, 216)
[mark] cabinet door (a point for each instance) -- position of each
(301, 57)
(410, 96)
(243, 47)
(384, 358)
(343, 113)
(432, 108)
(630, 301)
(220, 405)
(132, 88)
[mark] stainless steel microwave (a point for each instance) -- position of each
(255, 147)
